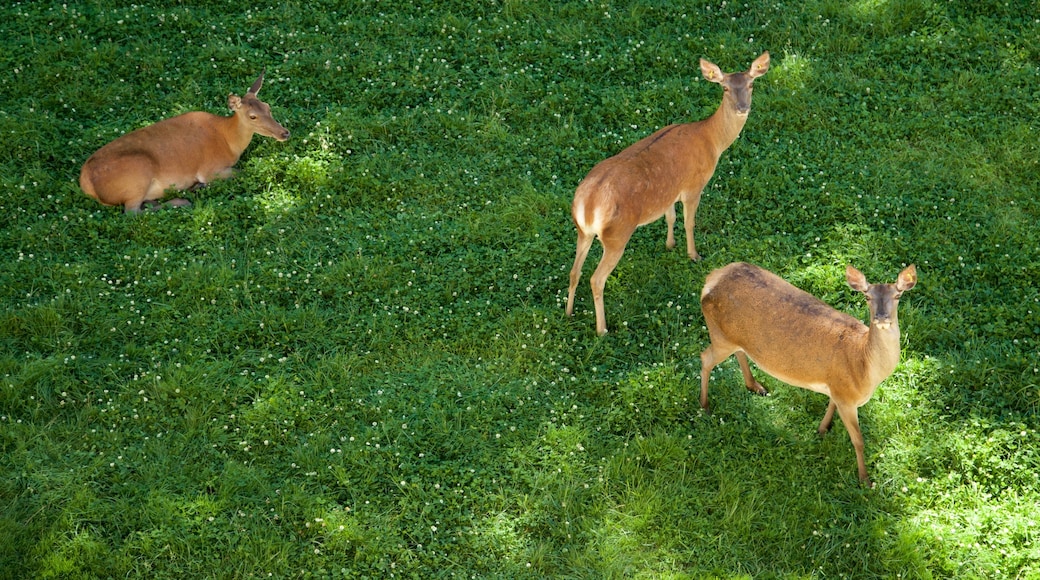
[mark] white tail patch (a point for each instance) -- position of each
(595, 227)
(709, 285)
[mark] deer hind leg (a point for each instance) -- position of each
(613, 248)
(850, 417)
(708, 362)
(151, 200)
(717, 351)
(690, 203)
(124, 184)
(140, 202)
(669, 218)
(584, 243)
(749, 379)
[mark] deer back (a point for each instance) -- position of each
(789, 333)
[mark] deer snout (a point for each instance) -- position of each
(274, 130)
(883, 323)
(742, 102)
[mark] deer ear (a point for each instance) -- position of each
(259, 82)
(856, 279)
(760, 66)
(234, 102)
(711, 71)
(907, 279)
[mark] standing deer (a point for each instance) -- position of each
(645, 180)
(179, 153)
(798, 339)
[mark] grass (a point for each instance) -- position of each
(351, 360)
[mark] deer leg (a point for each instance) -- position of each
(177, 202)
(690, 204)
(709, 358)
(149, 201)
(584, 243)
(612, 250)
(226, 173)
(669, 218)
(850, 417)
(749, 380)
(137, 202)
(825, 424)
(156, 205)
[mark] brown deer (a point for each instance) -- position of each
(645, 180)
(796, 338)
(179, 153)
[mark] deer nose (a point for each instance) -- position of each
(285, 135)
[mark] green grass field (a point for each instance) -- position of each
(352, 359)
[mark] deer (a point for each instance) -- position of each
(645, 180)
(180, 153)
(800, 340)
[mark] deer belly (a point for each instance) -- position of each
(791, 378)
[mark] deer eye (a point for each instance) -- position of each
(253, 117)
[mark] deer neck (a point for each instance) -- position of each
(236, 132)
(882, 352)
(724, 125)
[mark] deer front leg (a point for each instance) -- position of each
(850, 417)
(825, 424)
(749, 379)
(690, 204)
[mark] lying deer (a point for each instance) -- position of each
(644, 181)
(179, 153)
(798, 339)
